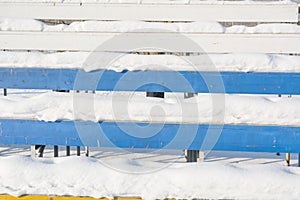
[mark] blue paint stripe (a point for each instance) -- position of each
(170, 136)
(152, 81)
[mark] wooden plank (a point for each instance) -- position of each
(152, 81)
(209, 43)
(256, 12)
(170, 136)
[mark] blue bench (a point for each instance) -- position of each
(239, 137)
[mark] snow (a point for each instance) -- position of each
(124, 106)
(12, 24)
(115, 176)
(211, 62)
(133, 26)
(9, 24)
(221, 62)
(151, 174)
(264, 28)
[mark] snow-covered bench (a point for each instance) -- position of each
(216, 60)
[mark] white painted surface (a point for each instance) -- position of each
(258, 12)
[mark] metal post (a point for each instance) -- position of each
(87, 151)
(55, 151)
(189, 95)
(5, 92)
(192, 155)
(156, 94)
(41, 150)
(68, 150)
(287, 159)
(298, 159)
(78, 150)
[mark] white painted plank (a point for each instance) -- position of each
(154, 12)
(211, 43)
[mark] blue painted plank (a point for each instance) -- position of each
(152, 136)
(152, 81)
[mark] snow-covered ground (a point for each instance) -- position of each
(151, 175)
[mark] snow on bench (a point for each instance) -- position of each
(94, 74)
